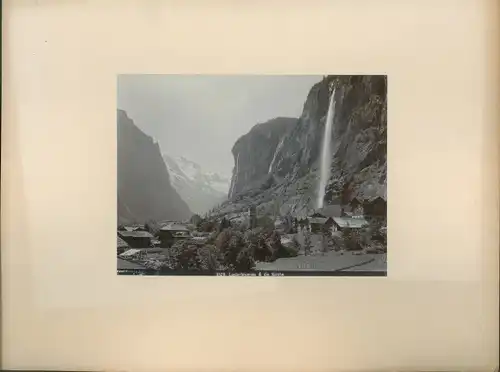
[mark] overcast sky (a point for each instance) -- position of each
(200, 117)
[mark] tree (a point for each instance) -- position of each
(224, 224)
(152, 227)
(307, 243)
(244, 260)
(330, 242)
(352, 239)
(195, 219)
(208, 226)
(326, 234)
(346, 193)
(266, 222)
(235, 254)
(274, 244)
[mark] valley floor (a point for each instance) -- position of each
(325, 256)
(330, 261)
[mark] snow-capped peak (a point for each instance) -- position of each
(189, 168)
(199, 188)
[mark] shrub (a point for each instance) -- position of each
(276, 249)
(243, 226)
(288, 251)
(207, 226)
(265, 222)
(229, 250)
(224, 224)
(212, 237)
(352, 240)
(185, 255)
(235, 254)
(209, 258)
(338, 243)
(187, 258)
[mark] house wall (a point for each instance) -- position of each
(166, 239)
(137, 242)
(378, 208)
(120, 250)
(315, 227)
(358, 211)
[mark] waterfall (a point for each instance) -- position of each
(326, 155)
(235, 176)
(280, 145)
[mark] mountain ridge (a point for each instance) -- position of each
(144, 191)
(287, 181)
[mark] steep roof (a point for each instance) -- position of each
(174, 227)
(135, 234)
(130, 252)
(121, 243)
(354, 223)
(371, 200)
(318, 220)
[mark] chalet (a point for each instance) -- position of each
(121, 245)
(376, 207)
(355, 202)
(171, 233)
(176, 228)
(136, 239)
(132, 228)
(344, 223)
(318, 224)
(317, 215)
(303, 223)
(359, 211)
(356, 206)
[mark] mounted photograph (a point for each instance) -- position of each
(252, 175)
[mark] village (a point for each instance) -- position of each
(330, 238)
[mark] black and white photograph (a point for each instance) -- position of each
(252, 175)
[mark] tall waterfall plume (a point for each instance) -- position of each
(326, 156)
(235, 176)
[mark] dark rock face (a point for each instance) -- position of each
(254, 152)
(359, 151)
(144, 188)
(359, 138)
